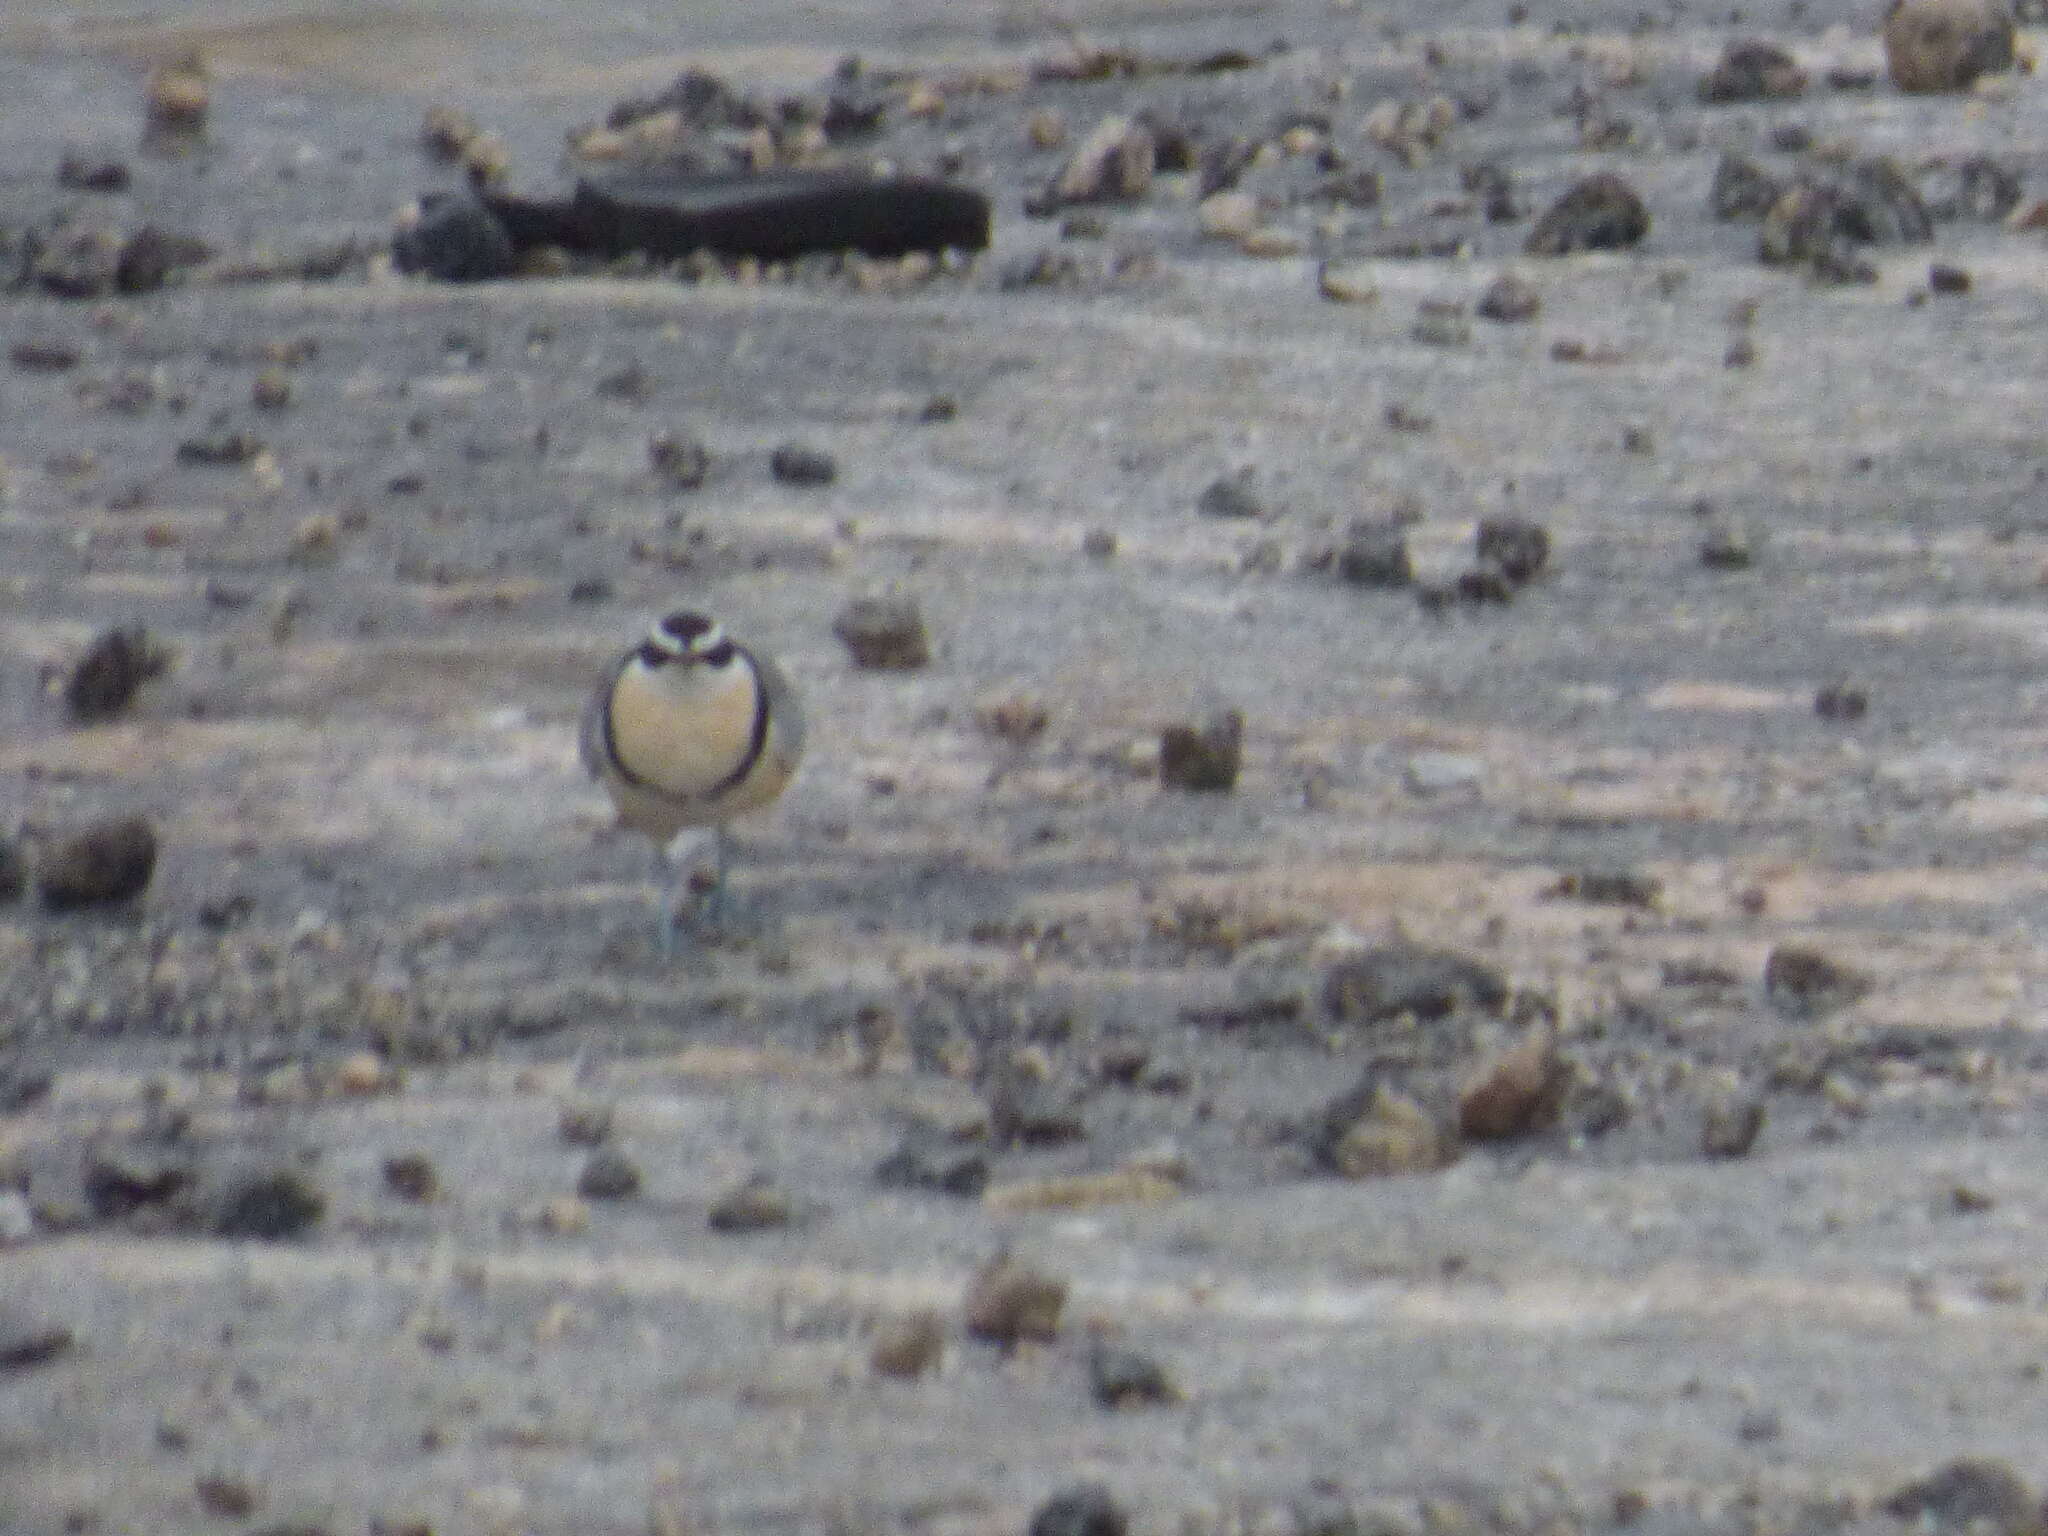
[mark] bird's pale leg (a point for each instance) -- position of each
(668, 892)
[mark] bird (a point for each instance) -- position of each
(690, 728)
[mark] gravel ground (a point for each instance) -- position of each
(1581, 1074)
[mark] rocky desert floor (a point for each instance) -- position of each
(1585, 1074)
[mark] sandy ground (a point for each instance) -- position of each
(389, 917)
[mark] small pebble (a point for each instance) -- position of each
(108, 862)
(1374, 554)
(754, 1205)
(883, 634)
(1086, 1509)
(1390, 980)
(1126, 1378)
(608, 1175)
(1969, 1494)
(1205, 758)
(585, 1125)
(940, 1165)
(1600, 213)
(411, 1176)
(1946, 279)
(795, 464)
(106, 678)
(909, 1346)
(27, 1343)
(1841, 702)
(1803, 983)
(225, 1498)
(38, 356)
(1509, 300)
(1730, 1126)
(1230, 496)
(271, 391)
(1945, 45)
(1727, 546)
(1514, 546)
(1009, 1302)
(268, 1204)
(1517, 1093)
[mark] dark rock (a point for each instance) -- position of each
(1518, 1092)
(23, 1087)
(145, 260)
(1600, 213)
(270, 1205)
(796, 464)
(1751, 70)
(773, 216)
(883, 634)
(125, 1178)
(1608, 887)
(1945, 45)
(26, 1344)
(457, 240)
(608, 1175)
(1084, 1510)
(1494, 186)
(1730, 1126)
(110, 861)
(1972, 1493)
(680, 460)
(1727, 546)
(1820, 223)
(928, 1163)
(1373, 1131)
(1509, 300)
(1841, 701)
(1324, 1511)
(37, 356)
(629, 382)
(411, 1176)
(225, 450)
(1353, 187)
(1742, 189)
(1374, 554)
(585, 1125)
(1516, 547)
(1484, 584)
(1203, 759)
(1803, 983)
(83, 171)
(226, 1498)
(1230, 496)
(81, 264)
(1126, 1378)
(753, 1205)
(1978, 188)
(107, 676)
(1395, 979)
(1025, 1111)
(854, 110)
(937, 408)
(1947, 279)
